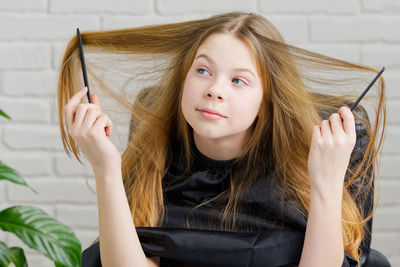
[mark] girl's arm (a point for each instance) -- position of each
(331, 146)
(119, 242)
(90, 128)
(323, 244)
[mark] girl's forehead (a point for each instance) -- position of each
(234, 51)
(218, 39)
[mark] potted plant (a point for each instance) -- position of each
(36, 229)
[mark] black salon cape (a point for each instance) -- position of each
(272, 245)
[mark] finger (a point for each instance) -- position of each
(348, 120)
(80, 113)
(336, 124)
(103, 123)
(90, 118)
(326, 130)
(71, 106)
(316, 134)
(76, 98)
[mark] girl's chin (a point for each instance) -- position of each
(207, 133)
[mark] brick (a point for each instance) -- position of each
(24, 56)
(65, 166)
(24, 83)
(29, 164)
(26, 110)
(390, 166)
(101, 6)
(294, 30)
(2, 126)
(391, 143)
(368, 5)
(309, 6)
(2, 191)
(23, 5)
(38, 259)
(386, 243)
(381, 55)
(386, 6)
(393, 107)
(54, 111)
(392, 79)
(87, 237)
(54, 191)
(387, 218)
(58, 50)
(394, 261)
(33, 137)
(352, 29)
(51, 27)
(389, 192)
(78, 216)
(347, 52)
(205, 6)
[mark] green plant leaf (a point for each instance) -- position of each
(18, 257)
(5, 257)
(7, 173)
(2, 113)
(42, 233)
(14, 254)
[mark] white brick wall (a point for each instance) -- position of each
(362, 29)
(33, 36)
(340, 7)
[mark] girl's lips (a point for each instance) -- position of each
(211, 115)
(211, 111)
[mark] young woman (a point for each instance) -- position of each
(232, 159)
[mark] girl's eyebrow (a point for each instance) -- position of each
(236, 69)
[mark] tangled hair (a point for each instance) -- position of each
(296, 85)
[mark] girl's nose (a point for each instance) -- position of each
(211, 95)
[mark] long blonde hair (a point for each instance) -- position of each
(281, 135)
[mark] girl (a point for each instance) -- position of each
(232, 159)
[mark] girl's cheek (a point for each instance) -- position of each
(195, 84)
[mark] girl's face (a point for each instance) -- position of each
(222, 92)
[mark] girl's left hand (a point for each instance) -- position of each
(331, 146)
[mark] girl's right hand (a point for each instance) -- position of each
(331, 146)
(90, 128)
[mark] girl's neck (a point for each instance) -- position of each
(225, 148)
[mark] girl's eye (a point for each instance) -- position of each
(235, 80)
(201, 70)
(238, 80)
